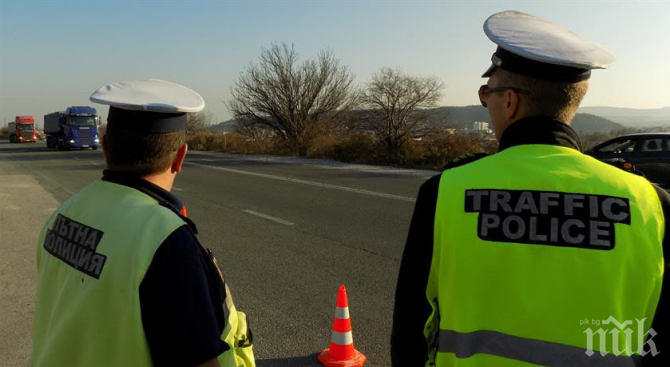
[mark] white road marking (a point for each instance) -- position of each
(268, 217)
(175, 188)
(95, 163)
(321, 163)
(310, 183)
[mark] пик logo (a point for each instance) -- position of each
(628, 348)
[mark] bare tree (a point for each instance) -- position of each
(198, 121)
(253, 130)
(290, 98)
(393, 103)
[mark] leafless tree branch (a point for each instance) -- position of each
(289, 98)
(394, 102)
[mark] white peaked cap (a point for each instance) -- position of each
(150, 95)
(539, 40)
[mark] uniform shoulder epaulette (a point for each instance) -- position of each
(464, 159)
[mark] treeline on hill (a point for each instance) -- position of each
(463, 117)
(429, 152)
(448, 140)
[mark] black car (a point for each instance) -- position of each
(649, 153)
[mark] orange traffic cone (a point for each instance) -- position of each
(341, 352)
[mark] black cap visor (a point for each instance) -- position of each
(489, 71)
(520, 65)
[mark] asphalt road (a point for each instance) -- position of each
(287, 232)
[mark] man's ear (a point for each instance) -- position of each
(513, 107)
(179, 159)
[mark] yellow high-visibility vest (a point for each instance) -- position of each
(90, 270)
(534, 248)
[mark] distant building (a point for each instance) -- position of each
(480, 126)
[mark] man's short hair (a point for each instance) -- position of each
(558, 100)
(141, 153)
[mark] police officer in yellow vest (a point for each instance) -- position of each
(123, 280)
(538, 254)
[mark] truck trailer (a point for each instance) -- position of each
(22, 130)
(74, 128)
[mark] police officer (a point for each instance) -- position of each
(525, 256)
(123, 280)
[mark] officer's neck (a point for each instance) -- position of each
(164, 180)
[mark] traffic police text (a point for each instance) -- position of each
(75, 244)
(548, 218)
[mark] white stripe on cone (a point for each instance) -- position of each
(342, 313)
(342, 338)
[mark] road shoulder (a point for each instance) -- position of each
(24, 207)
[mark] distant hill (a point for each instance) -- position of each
(633, 117)
(228, 125)
(588, 123)
(462, 117)
(458, 117)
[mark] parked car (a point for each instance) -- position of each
(648, 152)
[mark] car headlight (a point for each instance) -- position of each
(71, 141)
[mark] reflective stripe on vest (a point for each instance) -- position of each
(529, 242)
(540, 352)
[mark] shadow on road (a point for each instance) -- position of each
(23, 148)
(306, 361)
(46, 157)
(39, 152)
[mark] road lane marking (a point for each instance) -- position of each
(268, 217)
(175, 188)
(310, 183)
(320, 163)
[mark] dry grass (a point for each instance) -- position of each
(429, 153)
(230, 142)
(435, 152)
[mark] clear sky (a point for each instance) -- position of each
(54, 54)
